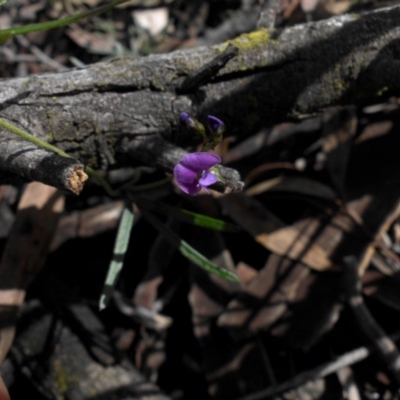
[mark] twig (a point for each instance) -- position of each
(346, 378)
(346, 359)
(385, 347)
(201, 76)
(241, 21)
(40, 55)
(268, 14)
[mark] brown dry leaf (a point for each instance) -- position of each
(308, 5)
(245, 272)
(248, 147)
(93, 42)
(90, 3)
(38, 213)
(314, 312)
(146, 3)
(287, 298)
(154, 21)
(202, 297)
(204, 309)
(150, 353)
(354, 229)
(290, 241)
(297, 185)
(146, 292)
(4, 395)
(87, 223)
(374, 130)
(337, 7)
(278, 281)
(257, 173)
(385, 288)
(29, 12)
(5, 21)
(233, 365)
(59, 6)
(288, 7)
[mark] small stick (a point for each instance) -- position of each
(268, 14)
(385, 346)
(201, 76)
(323, 370)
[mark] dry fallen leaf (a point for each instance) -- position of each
(154, 21)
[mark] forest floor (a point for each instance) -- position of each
(317, 250)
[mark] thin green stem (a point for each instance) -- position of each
(102, 182)
(151, 185)
(6, 34)
(30, 138)
(47, 146)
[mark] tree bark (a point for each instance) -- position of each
(114, 112)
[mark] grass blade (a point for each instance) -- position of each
(190, 217)
(188, 251)
(6, 34)
(120, 247)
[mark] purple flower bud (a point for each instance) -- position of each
(186, 120)
(192, 173)
(215, 124)
(184, 117)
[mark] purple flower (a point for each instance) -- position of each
(192, 173)
(215, 124)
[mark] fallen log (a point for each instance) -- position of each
(126, 110)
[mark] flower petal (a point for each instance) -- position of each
(207, 178)
(193, 189)
(214, 123)
(186, 179)
(199, 161)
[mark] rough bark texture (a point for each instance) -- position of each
(30, 163)
(94, 112)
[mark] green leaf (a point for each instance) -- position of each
(197, 258)
(188, 251)
(120, 247)
(190, 217)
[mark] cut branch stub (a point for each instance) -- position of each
(25, 162)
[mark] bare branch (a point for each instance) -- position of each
(93, 112)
